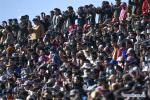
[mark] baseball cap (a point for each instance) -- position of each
(74, 92)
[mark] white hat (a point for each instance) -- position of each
(90, 88)
(130, 58)
(143, 32)
(134, 69)
(17, 46)
(145, 69)
(85, 75)
(2, 78)
(86, 66)
(27, 83)
(29, 97)
(120, 58)
(111, 77)
(100, 46)
(129, 50)
(148, 31)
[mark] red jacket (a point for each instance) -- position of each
(145, 7)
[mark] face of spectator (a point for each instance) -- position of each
(78, 47)
(114, 44)
(105, 63)
(76, 80)
(4, 24)
(42, 71)
(35, 22)
(52, 13)
(56, 12)
(129, 45)
(38, 17)
(11, 62)
(41, 53)
(65, 75)
(68, 53)
(118, 2)
(69, 10)
(23, 20)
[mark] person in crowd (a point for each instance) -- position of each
(70, 55)
(38, 30)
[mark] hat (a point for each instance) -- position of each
(62, 69)
(131, 60)
(99, 88)
(86, 66)
(129, 50)
(50, 81)
(8, 65)
(30, 97)
(2, 78)
(111, 77)
(85, 75)
(134, 69)
(74, 92)
(91, 88)
(18, 99)
(143, 32)
(24, 71)
(1, 58)
(15, 55)
(17, 46)
(27, 83)
(100, 46)
(145, 69)
(148, 31)
(148, 28)
(22, 17)
(119, 59)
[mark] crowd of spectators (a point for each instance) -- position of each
(68, 55)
